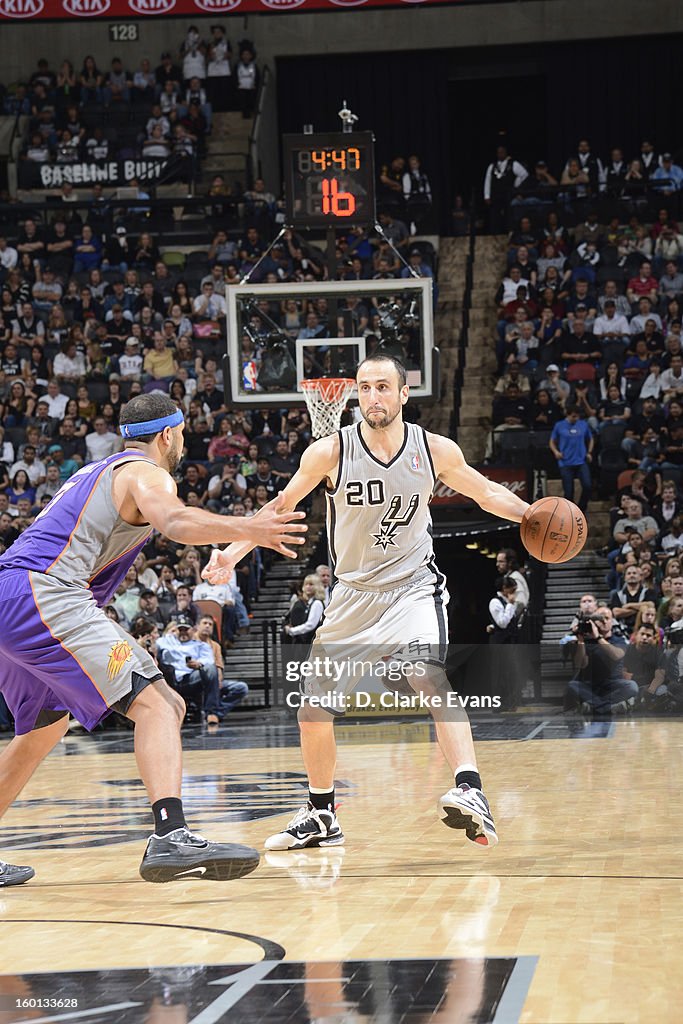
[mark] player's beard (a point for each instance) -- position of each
(174, 456)
(383, 421)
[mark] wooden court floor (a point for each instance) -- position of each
(585, 889)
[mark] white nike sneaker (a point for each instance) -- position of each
(308, 827)
(466, 808)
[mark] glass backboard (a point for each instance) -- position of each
(279, 334)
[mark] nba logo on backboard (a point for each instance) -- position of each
(250, 374)
(415, 462)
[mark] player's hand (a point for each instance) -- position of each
(219, 568)
(272, 528)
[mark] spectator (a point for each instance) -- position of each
(502, 177)
(571, 442)
(155, 145)
(579, 347)
(510, 412)
(611, 327)
(167, 71)
(131, 362)
(144, 82)
(227, 595)
(671, 380)
(101, 443)
(645, 661)
(56, 401)
(208, 305)
(667, 505)
(558, 388)
(613, 409)
(118, 254)
(159, 363)
(417, 194)
(628, 600)
(87, 250)
(247, 82)
(313, 595)
(91, 82)
(29, 464)
(117, 84)
(69, 364)
(21, 488)
(219, 78)
(634, 519)
(195, 675)
(27, 328)
(68, 456)
(668, 176)
(51, 485)
(506, 565)
(192, 51)
(505, 611)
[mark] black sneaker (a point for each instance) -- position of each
(12, 874)
(184, 855)
(308, 827)
(466, 808)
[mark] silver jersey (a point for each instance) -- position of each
(378, 521)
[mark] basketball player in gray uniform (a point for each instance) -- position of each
(390, 597)
(60, 653)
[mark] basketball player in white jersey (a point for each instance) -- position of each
(389, 597)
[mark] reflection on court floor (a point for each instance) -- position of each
(441, 991)
(574, 917)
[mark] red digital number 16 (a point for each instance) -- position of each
(339, 204)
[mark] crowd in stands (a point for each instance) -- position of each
(585, 178)
(589, 333)
(117, 113)
(590, 382)
(93, 310)
(77, 339)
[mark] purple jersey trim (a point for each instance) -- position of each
(40, 547)
(105, 583)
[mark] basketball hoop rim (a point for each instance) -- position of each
(313, 384)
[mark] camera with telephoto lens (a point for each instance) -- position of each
(584, 628)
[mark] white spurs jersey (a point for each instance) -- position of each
(378, 521)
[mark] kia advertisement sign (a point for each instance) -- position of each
(52, 10)
(514, 479)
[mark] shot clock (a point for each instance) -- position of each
(329, 179)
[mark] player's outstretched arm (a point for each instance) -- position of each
(318, 462)
(450, 466)
(153, 492)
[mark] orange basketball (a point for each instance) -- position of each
(553, 530)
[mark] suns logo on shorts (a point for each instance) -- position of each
(119, 653)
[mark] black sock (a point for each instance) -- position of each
(168, 815)
(471, 779)
(322, 801)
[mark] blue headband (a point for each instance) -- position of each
(151, 426)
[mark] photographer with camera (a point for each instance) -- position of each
(599, 682)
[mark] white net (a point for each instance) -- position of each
(326, 398)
